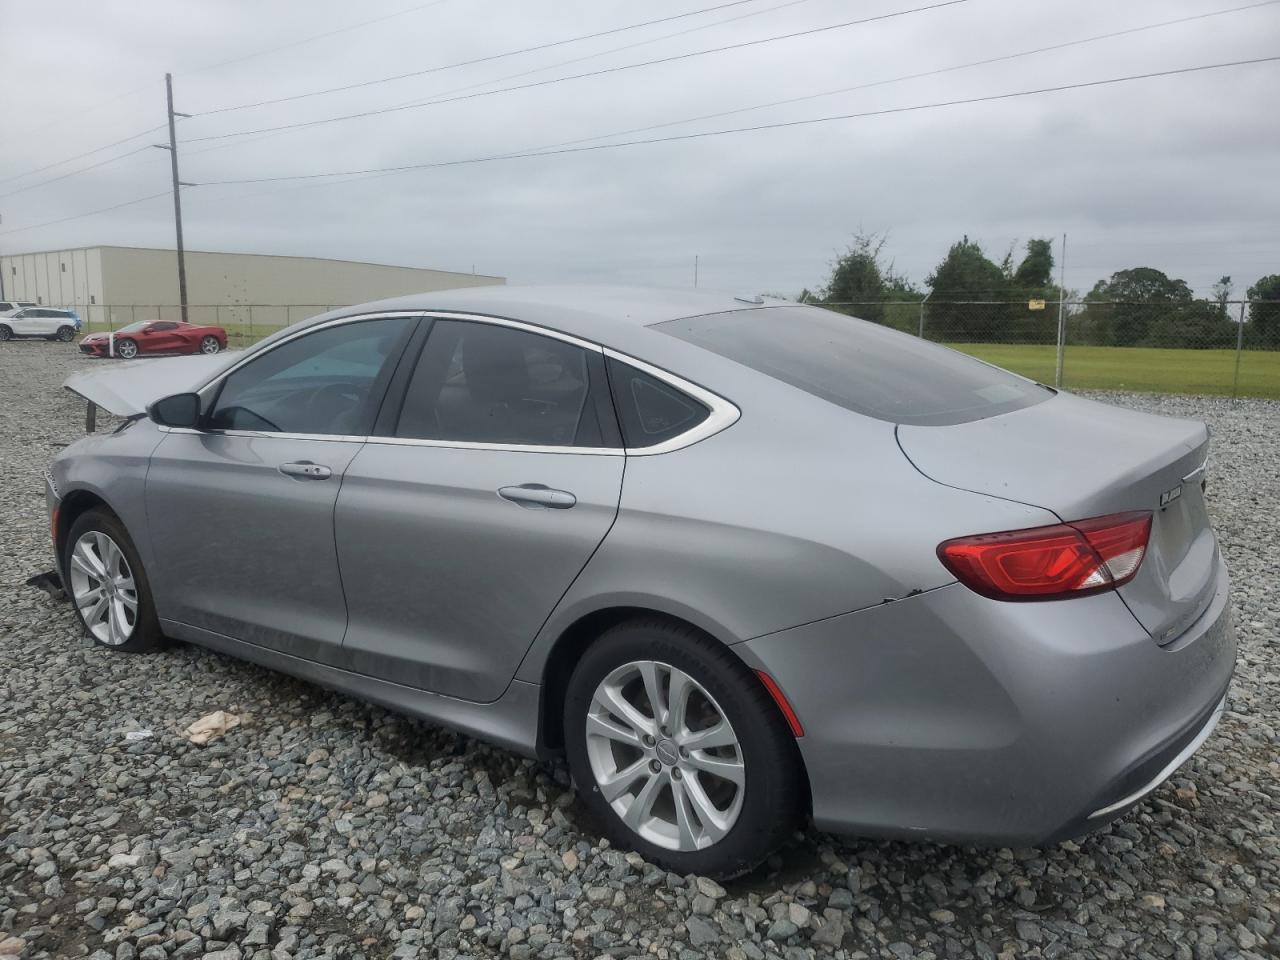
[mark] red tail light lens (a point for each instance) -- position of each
(1051, 563)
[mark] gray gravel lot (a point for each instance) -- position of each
(327, 827)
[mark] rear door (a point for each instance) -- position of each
(241, 511)
(461, 526)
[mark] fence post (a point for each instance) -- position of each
(1235, 382)
(922, 303)
(251, 323)
(1062, 319)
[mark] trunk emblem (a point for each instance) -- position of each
(1169, 496)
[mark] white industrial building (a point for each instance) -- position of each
(115, 285)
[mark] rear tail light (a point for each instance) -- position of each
(1051, 563)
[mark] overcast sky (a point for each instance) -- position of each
(1179, 173)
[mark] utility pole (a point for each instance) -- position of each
(172, 147)
(2, 296)
(695, 271)
(1062, 320)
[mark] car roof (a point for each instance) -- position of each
(602, 314)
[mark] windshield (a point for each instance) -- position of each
(860, 366)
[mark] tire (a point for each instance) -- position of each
(98, 542)
(126, 349)
(66, 334)
(210, 345)
(746, 820)
(5, 333)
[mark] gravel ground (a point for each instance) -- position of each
(327, 827)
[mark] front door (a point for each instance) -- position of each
(241, 512)
(459, 532)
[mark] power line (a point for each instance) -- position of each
(552, 66)
(318, 36)
(580, 76)
(913, 108)
(79, 170)
(212, 66)
(920, 75)
(477, 60)
(88, 213)
(80, 156)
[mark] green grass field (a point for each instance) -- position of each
(1144, 369)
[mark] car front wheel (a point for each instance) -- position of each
(678, 750)
(108, 587)
(210, 345)
(126, 349)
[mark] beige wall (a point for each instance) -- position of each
(60, 278)
(151, 277)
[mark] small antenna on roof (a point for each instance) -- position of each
(753, 299)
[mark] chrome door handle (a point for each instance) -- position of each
(538, 495)
(305, 470)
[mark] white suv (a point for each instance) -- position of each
(40, 322)
(13, 306)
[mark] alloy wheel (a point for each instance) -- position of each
(103, 588)
(65, 334)
(127, 349)
(209, 345)
(664, 756)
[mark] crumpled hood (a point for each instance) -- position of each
(126, 389)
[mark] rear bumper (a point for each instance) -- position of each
(953, 717)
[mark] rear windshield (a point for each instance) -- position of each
(860, 366)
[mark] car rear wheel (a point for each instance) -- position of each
(66, 334)
(210, 345)
(107, 585)
(126, 349)
(678, 750)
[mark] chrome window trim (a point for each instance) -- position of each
(723, 413)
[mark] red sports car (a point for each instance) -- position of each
(155, 336)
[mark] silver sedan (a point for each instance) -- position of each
(742, 562)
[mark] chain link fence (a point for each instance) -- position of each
(1226, 348)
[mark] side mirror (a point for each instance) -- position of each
(179, 410)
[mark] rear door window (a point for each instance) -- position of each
(860, 366)
(479, 382)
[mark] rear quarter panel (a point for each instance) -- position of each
(799, 511)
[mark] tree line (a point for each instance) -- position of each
(969, 297)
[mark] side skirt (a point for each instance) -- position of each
(511, 721)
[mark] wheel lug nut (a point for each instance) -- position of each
(684, 752)
(648, 740)
(675, 773)
(655, 766)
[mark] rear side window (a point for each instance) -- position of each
(860, 366)
(479, 382)
(649, 410)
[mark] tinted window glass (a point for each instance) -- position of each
(166, 325)
(323, 382)
(484, 383)
(860, 366)
(649, 410)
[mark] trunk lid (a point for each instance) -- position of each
(126, 389)
(1084, 459)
